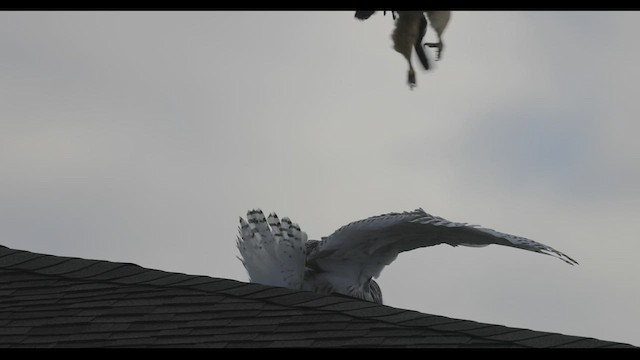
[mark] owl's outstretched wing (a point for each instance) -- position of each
(360, 250)
(273, 251)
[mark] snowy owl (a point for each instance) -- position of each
(411, 27)
(277, 253)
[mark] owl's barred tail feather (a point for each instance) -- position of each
(273, 251)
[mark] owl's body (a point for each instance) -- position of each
(346, 262)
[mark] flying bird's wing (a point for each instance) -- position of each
(364, 14)
(360, 250)
(273, 252)
(418, 45)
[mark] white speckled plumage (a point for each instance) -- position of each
(347, 261)
(273, 254)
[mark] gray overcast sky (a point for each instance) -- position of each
(142, 136)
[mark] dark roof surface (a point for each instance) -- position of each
(52, 301)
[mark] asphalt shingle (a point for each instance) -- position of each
(450, 341)
(550, 340)
(366, 342)
(323, 301)
(119, 272)
(143, 277)
(170, 279)
(154, 326)
(516, 335)
(401, 317)
(89, 269)
(291, 343)
(195, 280)
(243, 290)
(585, 343)
(317, 326)
(17, 258)
(269, 293)
(217, 286)
(14, 330)
(429, 320)
(211, 329)
(351, 305)
(66, 267)
(458, 326)
(295, 298)
(330, 343)
(40, 262)
(489, 330)
(4, 251)
(375, 311)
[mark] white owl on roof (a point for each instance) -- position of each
(278, 253)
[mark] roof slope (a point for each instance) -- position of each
(52, 301)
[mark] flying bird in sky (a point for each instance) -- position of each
(411, 27)
(277, 253)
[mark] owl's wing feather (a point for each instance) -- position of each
(361, 249)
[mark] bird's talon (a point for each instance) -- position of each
(438, 47)
(411, 79)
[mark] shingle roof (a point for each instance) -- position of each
(52, 301)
